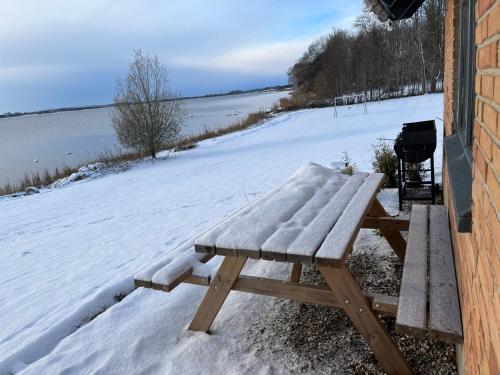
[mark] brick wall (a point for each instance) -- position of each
(477, 255)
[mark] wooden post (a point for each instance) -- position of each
(296, 271)
(295, 278)
(363, 318)
(394, 238)
(217, 293)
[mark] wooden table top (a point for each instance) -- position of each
(313, 217)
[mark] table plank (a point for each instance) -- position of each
(444, 307)
(303, 248)
(277, 245)
(412, 310)
(338, 243)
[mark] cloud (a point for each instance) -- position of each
(264, 59)
(64, 43)
(30, 73)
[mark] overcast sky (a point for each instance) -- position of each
(56, 53)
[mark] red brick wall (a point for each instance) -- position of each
(477, 255)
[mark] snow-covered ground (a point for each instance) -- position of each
(66, 253)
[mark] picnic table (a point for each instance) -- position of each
(314, 218)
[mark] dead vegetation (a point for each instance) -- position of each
(252, 119)
(297, 100)
(46, 178)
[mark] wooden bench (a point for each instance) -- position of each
(428, 298)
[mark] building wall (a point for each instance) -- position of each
(477, 255)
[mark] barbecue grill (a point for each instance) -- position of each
(416, 144)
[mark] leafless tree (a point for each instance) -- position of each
(147, 115)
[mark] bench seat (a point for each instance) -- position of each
(166, 274)
(428, 298)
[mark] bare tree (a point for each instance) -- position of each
(381, 61)
(147, 115)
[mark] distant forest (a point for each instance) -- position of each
(377, 59)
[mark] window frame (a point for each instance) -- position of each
(458, 146)
(463, 123)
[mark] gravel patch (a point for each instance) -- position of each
(304, 338)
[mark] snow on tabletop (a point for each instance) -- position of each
(287, 232)
(313, 235)
(252, 226)
(336, 244)
(61, 249)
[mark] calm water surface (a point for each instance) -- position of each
(71, 138)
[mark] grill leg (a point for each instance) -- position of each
(433, 182)
(400, 190)
(403, 182)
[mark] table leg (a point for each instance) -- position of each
(217, 293)
(295, 278)
(296, 271)
(394, 238)
(364, 319)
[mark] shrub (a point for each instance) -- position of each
(385, 161)
(297, 100)
(348, 167)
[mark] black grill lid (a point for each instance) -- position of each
(417, 141)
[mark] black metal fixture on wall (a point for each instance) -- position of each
(393, 10)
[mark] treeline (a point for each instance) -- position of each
(381, 61)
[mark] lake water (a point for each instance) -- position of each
(70, 138)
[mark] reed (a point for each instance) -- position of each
(110, 157)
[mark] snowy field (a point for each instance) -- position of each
(66, 253)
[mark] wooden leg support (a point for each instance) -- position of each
(296, 271)
(295, 278)
(217, 293)
(394, 238)
(358, 308)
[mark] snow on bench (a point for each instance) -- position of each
(170, 271)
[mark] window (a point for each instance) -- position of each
(464, 115)
(458, 147)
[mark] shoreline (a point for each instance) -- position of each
(98, 106)
(117, 162)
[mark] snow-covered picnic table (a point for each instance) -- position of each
(314, 218)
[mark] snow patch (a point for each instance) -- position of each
(85, 172)
(47, 340)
